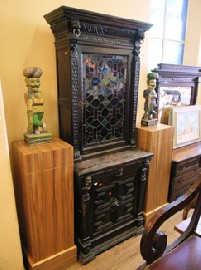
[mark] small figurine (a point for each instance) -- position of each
(35, 110)
(150, 106)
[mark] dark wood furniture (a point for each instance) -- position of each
(98, 65)
(183, 253)
(43, 181)
(171, 75)
(186, 166)
(172, 79)
(109, 200)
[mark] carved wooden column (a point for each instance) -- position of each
(141, 200)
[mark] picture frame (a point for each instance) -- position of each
(173, 96)
(187, 123)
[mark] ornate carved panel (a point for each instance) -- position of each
(109, 200)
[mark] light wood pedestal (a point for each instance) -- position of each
(157, 139)
(43, 180)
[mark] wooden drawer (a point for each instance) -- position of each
(177, 194)
(182, 182)
(185, 166)
(180, 190)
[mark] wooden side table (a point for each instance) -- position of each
(43, 180)
(186, 167)
(157, 139)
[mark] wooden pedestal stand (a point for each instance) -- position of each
(157, 139)
(43, 180)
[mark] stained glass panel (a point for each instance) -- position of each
(104, 84)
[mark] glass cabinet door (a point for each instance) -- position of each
(104, 84)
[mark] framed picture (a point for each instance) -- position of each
(187, 123)
(173, 96)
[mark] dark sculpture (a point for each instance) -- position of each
(150, 106)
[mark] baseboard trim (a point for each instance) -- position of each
(63, 259)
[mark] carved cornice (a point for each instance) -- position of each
(90, 28)
(106, 30)
(101, 39)
(75, 20)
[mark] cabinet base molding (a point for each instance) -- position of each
(61, 260)
(107, 241)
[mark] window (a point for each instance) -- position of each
(167, 36)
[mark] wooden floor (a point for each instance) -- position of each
(126, 256)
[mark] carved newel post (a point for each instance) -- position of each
(37, 130)
(150, 106)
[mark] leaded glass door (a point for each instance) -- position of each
(105, 81)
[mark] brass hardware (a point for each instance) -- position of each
(76, 32)
(115, 203)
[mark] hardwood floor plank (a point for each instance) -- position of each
(126, 255)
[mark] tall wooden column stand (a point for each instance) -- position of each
(43, 180)
(157, 139)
